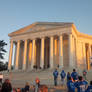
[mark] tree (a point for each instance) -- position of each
(2, 50)
(3, 66)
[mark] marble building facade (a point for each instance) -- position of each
(45, 45)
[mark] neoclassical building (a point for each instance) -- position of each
(45, 45)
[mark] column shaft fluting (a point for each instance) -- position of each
(84, 55)
(51, 52)
(60, 52)
(33, 54)
(70, 51)
(73, 45)
(25, 55)
(42, 54)
(17, 55)
(10, 55)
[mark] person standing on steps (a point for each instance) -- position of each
(85, 74)
(68, 76)
(74, 75)
(63, 75)
(55, 75)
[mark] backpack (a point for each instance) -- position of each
(63, 74)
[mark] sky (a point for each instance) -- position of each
(15, 14)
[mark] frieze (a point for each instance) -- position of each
(47, 33)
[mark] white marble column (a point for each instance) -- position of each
(51, 52)
(76, 52)
(17, 55)
(90, 50)
(60, 52)
(88, 55)
(25, 55)
(10, 55)
(33, 54)
(84, 55)
(73, 45)
(42, 54)
(70, 51)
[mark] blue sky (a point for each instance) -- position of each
(15, 14)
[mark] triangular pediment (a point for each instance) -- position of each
(40, 26)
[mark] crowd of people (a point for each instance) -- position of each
(75, 82)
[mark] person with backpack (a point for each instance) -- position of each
(74, 75)
(63, 75)
(55, 75)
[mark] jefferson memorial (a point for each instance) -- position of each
(44, 45)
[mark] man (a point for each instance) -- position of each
(63, 75)
(89, 89)
(6, 86)
(81, 84)
(55, 74)
(70, 85)
(74, 75)
(84, 74)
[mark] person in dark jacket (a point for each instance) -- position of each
(68, 76)
(74, 75)
(63, 75)
(27, 87)
(55, 74)
(6, 86)
(70, 85)
(89, 89)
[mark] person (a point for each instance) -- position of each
(70, 85)
(89, 89)
(27, 87)
(81, 84)
(74, 75)
(84, 74)
(1, 78)
(14, 90)
(37, 84)
(18, 90)
(55, 74)
(6, 86)
(63, 75)
(68, 76)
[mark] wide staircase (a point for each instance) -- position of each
(19, 78)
